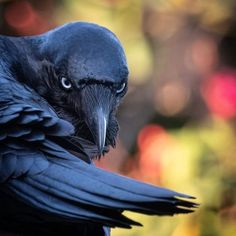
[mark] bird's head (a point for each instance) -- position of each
(84, 76)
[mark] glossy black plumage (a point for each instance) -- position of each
(50, 133)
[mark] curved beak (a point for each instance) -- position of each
(96, 106)
(99, 129)
(97, 102)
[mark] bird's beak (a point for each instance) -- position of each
(99, 129)
(96, 107)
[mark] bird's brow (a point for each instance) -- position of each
(90, 81)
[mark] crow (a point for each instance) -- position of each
(59, 94)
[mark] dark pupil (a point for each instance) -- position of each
(66, 82)
(120, 88)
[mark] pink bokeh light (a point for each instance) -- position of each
(219, 92)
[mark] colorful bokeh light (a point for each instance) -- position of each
(219, 92)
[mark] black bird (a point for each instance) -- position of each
(59, 92)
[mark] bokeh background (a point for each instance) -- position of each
(178, 121)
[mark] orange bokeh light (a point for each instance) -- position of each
(153, 140)
(24, 19)
(20, 14)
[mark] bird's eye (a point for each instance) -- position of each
(66, 84)
(121, 88)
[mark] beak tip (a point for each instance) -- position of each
(100, 151)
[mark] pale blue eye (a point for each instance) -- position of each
(65, 83)
(121, 88)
